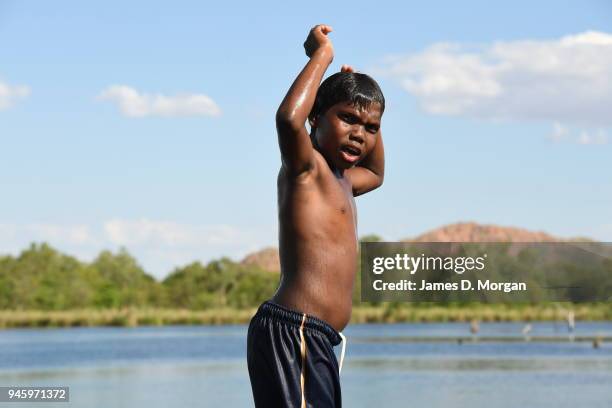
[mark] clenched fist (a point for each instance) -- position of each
(319, 42)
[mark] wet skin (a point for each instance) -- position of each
(320, 175)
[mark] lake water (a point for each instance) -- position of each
(187, 366)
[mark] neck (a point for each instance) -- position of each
(339, 173)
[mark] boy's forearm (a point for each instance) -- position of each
(375, 161)
(297, 104)
(369, 174)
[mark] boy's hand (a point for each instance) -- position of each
(346, 68)
(318, 41)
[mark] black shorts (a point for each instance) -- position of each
(291, 359)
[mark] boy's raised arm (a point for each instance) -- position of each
(369, 174)
(295, 144)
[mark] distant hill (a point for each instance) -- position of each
(473, 232)
(268, 259)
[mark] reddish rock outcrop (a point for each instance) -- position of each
(268, 258)
(473, 232)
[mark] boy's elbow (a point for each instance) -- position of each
(286, 120)
(379, 176)
(379, 181)
(374, 183)
(371, 186)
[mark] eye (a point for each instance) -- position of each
(372, 129)
(348, 118)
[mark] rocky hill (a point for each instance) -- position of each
(473, 232)
(267, 259)
(460, 232)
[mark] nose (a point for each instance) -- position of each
(357, 134)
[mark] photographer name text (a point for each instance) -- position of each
(463, 285)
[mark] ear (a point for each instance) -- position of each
(312, 121)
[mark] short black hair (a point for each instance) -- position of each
(357, 88)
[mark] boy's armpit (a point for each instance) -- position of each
(297, 152)
(307, 175)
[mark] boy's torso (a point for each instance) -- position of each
(318, 243)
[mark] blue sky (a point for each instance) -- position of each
(150, 125)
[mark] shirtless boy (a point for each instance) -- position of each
(290, 340)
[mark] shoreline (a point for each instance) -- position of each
(388, 313)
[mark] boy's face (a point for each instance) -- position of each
(345, 134)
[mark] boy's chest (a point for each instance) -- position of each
(337, 204)
(347, 202)
(329, 200)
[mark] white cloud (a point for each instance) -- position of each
(567, 80)
(166, 233)
(593, 138)
(73, 234)
(10, 94)
(564, 134)
(62, 234)
(559, 132)
(135, 104)
(77, 240)
(163, 245)
(159, 246)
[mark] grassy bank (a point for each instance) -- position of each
(121, 317)
(484, 313)
(388, 313)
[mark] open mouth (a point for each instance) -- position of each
(350, 153)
